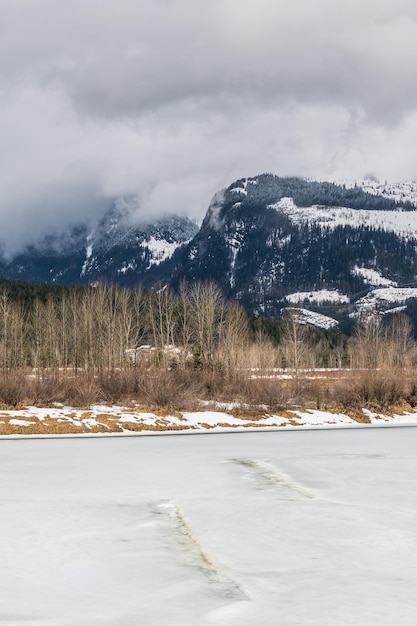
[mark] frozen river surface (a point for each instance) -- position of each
(279, 528)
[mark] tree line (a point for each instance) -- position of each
(107, 328)
(270, 188)
(96, 328)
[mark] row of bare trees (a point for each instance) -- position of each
(97, 328)
(378, 345)
(101, 328)
(375, 343)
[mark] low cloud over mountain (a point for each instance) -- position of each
(172, 100)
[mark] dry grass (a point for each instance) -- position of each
(163, 393)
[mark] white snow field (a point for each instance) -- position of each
(284, 528)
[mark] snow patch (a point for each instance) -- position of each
(318, 297)
(88, 255)
(400, 192)
(126, 267)
(102, 419)
(161, 249)
(304, 316)
(373, 277)
(384, 297)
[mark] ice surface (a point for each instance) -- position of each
(291, 527)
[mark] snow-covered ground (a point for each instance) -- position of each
(295, 527)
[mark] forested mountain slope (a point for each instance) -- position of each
(267, 237)
(264, 240)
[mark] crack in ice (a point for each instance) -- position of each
(195, 553)
(275, 477)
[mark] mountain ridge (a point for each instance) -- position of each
(263, 239)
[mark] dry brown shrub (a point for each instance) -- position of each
(47, 390)
(281, 394)
(81, 391)
(376, 390)
(172, 389)
(215, 385)
(164, 391)
(14, 389)
(269, 392)
(357, 415)
(121, 386)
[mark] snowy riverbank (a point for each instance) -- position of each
(101, 419)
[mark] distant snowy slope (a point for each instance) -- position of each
(399, 191)
(373, 277)
(402, 223)
(385, 298)
(161, 249)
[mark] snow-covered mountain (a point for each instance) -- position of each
(265, 238)
(268, 241)
(120, 249)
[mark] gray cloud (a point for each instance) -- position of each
(173, 99)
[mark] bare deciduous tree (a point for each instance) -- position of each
(295, 341)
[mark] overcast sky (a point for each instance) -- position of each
(175, 99)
